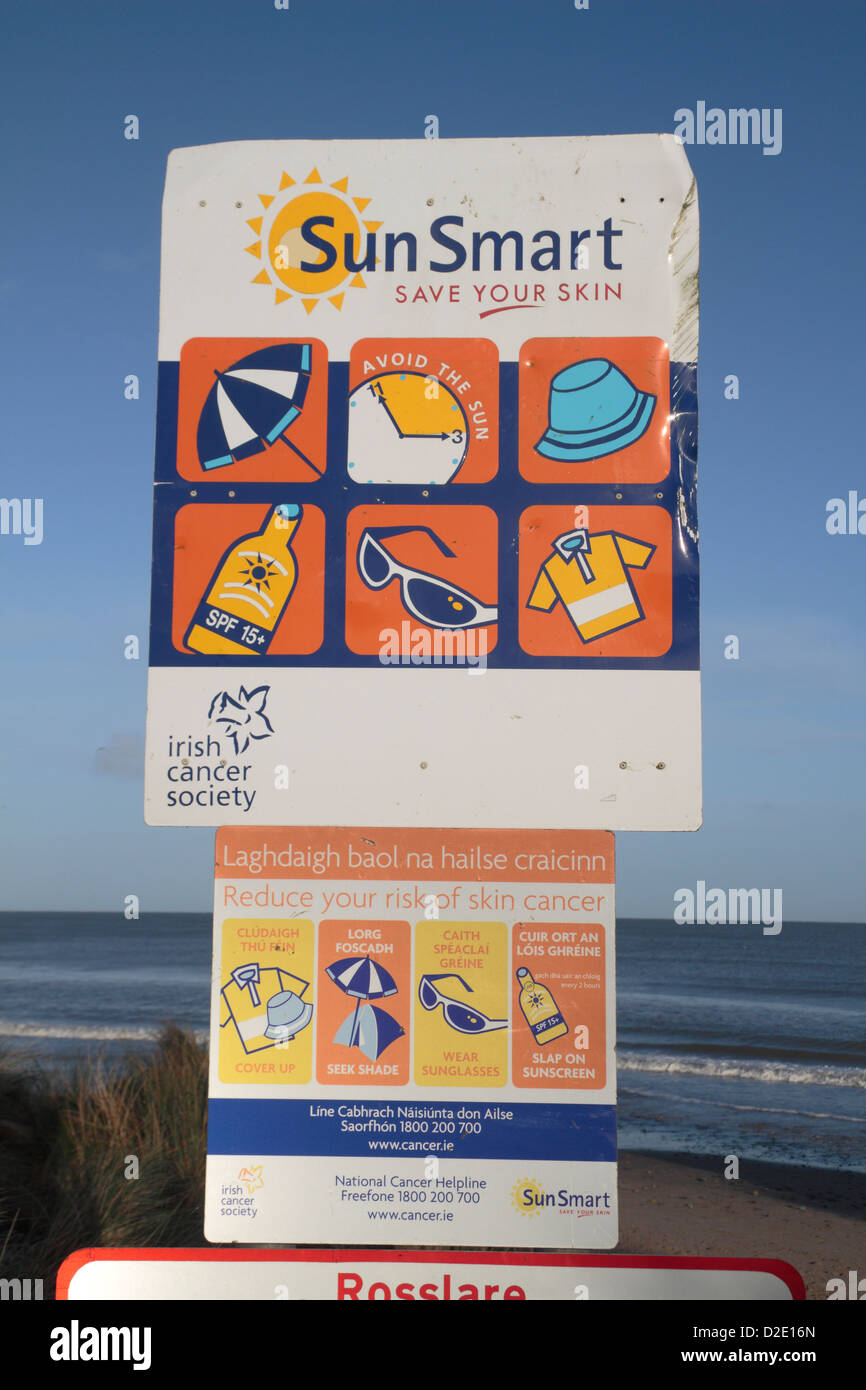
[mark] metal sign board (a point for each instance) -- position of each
(425, 538)
(403, 1275)
(412, 1038)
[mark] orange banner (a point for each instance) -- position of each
(356, 852)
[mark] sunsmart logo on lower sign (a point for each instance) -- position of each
(529, 1197)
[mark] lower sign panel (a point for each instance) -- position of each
(436, 1276)
(413, 1038)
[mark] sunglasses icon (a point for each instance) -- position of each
(427, 597)
(458, 1016)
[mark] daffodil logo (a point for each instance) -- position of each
(252, 1178)
(310, 239)
(243, 716)
(527, 1196)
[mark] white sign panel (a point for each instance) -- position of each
(425, 537)
(358, 1276)
(412, 1038)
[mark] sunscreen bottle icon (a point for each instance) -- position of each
(250, 588)
(540, 1009)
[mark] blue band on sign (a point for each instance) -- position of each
(229, 625)
(554, 1021)
(360, 1128)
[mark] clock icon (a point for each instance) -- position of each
(405, 427)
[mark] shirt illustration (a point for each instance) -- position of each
(244, 1001)
(589, 576)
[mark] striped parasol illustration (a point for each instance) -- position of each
(253, 404)
(368, 1028)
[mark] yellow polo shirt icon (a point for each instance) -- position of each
(589, 576)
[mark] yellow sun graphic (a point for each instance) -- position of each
(523, 1193)
(281, 244)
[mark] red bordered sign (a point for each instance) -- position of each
(408, 1275)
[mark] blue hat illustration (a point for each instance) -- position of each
(287, 1015)
(594, 410)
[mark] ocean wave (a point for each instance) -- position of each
(85, 1032)
(790, 1073)
(703, 999)
(725, 1104)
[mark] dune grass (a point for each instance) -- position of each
(66, 1150)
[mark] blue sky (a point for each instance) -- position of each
(781, 306)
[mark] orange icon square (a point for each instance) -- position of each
(421, 584)
(252, 410)
(558, 1006)
(595, 581)
(594, 410)
(248, 579)
(423, 411)
(363, 1003)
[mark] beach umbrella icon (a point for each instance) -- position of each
(376, 1031)
(253, 403)
(368, 1028)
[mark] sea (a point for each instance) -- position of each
(728, 1041)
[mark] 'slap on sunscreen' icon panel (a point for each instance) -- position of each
(558, 1003)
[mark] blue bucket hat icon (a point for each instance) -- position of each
(593, 410)
(287, 1016)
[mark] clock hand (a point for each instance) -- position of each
(380, 396)
(443, 435)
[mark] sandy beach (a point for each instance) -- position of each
(680, 1204)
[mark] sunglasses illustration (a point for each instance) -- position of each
(458, 1016)
(427, 597)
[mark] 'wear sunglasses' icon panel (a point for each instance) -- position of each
(416, 576)
(461, 1004)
